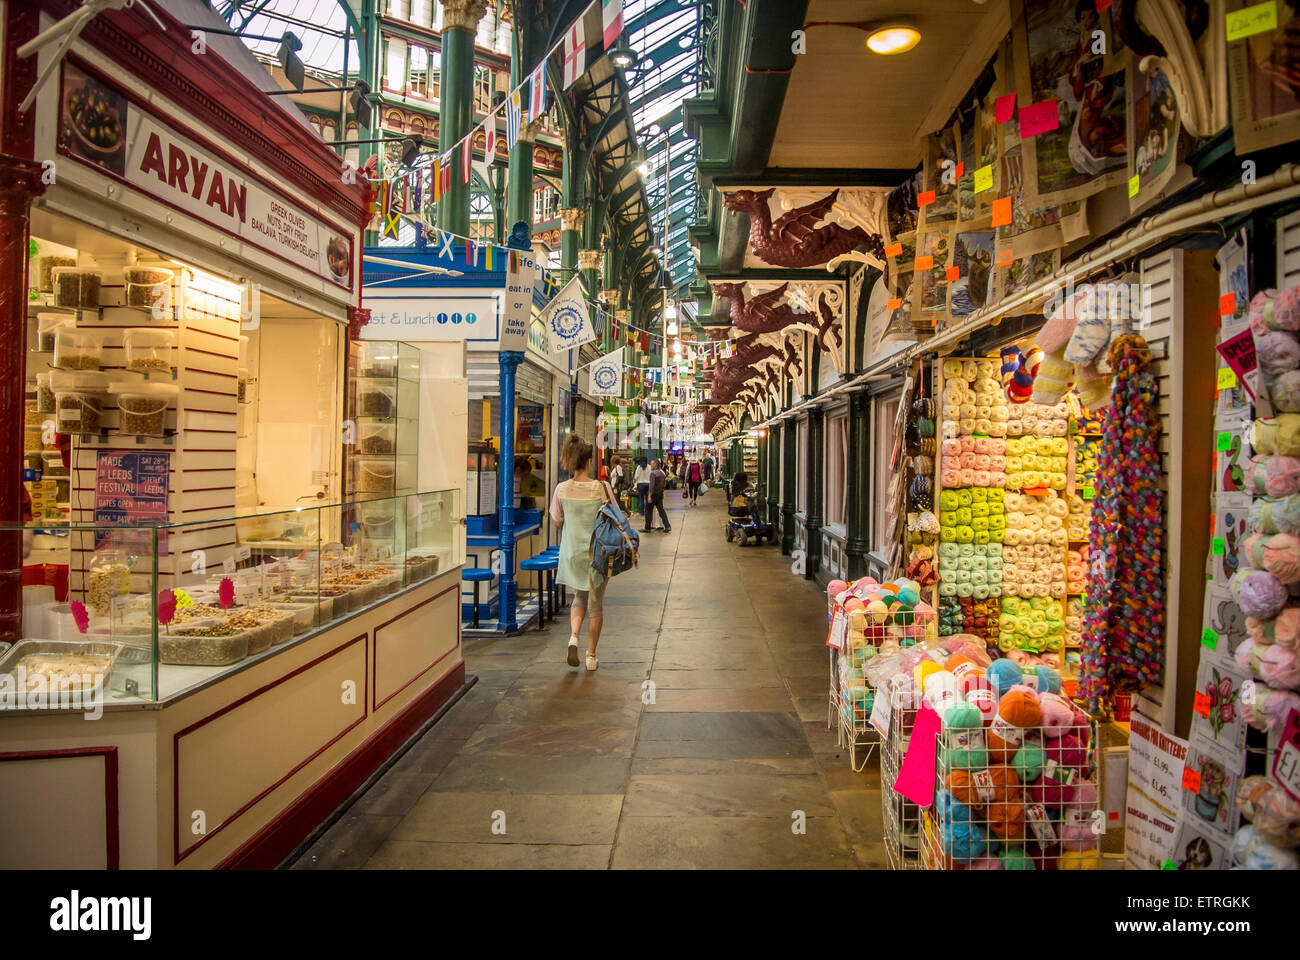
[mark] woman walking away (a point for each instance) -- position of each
(658, 483)
(642, 481)
(694, 477)
(574, 507)
(618, 479)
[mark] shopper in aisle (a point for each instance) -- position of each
(694, 479)
(708, 468)
(618, 479)
(574, 507)
(641, 480)
(658, 483)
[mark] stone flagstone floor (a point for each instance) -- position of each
(588, 776)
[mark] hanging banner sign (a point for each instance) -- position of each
(99, 126)
(432, 314)
(521, 274)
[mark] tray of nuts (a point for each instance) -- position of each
(259, 632)
(213, 645)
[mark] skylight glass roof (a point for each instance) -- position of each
(319, 24)
(663, 33)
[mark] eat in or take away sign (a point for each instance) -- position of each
(521, 272)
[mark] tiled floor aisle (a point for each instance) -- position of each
(589, 776)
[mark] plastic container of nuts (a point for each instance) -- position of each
(206, 645)
(145, 286)
(108, 577)
(78, 412)
(47, 325)
(144, 409)
(259, 631)
(75, 289)
(48, 264)
(149, 349)
(76, 349)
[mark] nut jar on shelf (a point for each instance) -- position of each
(47, 325)
(146, 286)
(48, 264)
(109, 577)
(76, 349)
(44, 394)
(376, 359)
(78, 411)
(143, 408)
(76, 289)
(148, 349)
(376, 400)
(52, 464)
(376, 438)
(374, 478)
(33, 441)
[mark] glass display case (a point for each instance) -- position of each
(383, 395)
(153, 611)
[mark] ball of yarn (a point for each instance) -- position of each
(1261, 595)
(1277, 351)
(1015, 858)
(1077, 829)
(1049, 681)
(1078, 860)
(1271, 809)
(1057, 713)
(1275, 665)
(1270, 708)
(1284, 629)
(979, 788)
(1284, 391)
(1006, 820)
(1028, 762)
(965, 726)
(1003, 675)
(1017, 711)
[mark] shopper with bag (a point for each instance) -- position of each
(658, 483)
(641, 481)
(694, 479)
(575, 507)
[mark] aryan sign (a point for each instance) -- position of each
(100, 126)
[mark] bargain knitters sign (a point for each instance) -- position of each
(100, 126)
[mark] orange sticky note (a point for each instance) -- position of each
(1212, 516)
(1001, 211)
(924, 263)
(925, 199)
(893, 250)
(1191, 780)
(1201, 704)
(961, 168)
(1003, 258)
(895, 303)
(1227, 304)
(952, 273)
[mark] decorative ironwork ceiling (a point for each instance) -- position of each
(319, 24)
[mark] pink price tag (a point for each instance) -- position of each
(1003, 107)
(1038, 118)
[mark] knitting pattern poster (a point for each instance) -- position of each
(1217, 714)
(1211, 776)
(1153, 132)
(1197, 848)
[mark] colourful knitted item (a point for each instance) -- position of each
(1123, 629)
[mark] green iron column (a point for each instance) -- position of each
(760, 481)
(519, 193)
(791, 436)
(816, 473)
(456, 113)
(774, 476)
(856, 544)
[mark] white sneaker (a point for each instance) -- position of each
(573, 651)
(592, 663)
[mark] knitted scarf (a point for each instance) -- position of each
(1123, 627)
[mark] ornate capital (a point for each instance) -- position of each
(609, 296)
(529, 131)
(590, 259)
(357, 318)
(571, 218)
(622, 316)
(462, 14)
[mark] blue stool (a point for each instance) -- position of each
(476, 575)
(557, 589)
(542, 564)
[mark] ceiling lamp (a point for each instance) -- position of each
(893, 39)
(292, 65)
(623, 56)
(671, 328)
(670, 312)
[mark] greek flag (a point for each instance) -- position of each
(606, 375)
(567, 320)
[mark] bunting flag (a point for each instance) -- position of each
(435, 184)
(490, 143)
(391, 218)
(583, 45)
(645, 342)
(466, 146)
(512, 119)
(606, 375)
(417, 190)
(488, 264)
(611, 13)
(537, 93)
(567, 319)
(471, 252)
(446, 174)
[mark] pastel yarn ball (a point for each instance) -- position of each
(1261, 595)
(835, 588)
(1078, 860)
(1015, 858)
(1057, 713)
(1028, 762)
(1277, 352)
(1003, 675)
